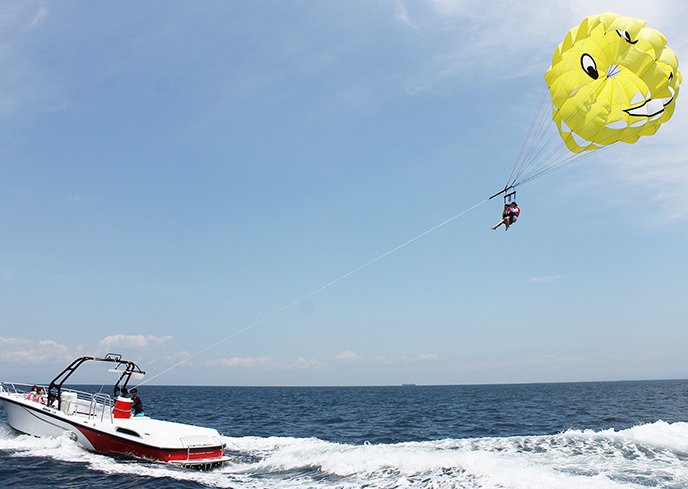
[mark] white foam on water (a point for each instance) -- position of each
(652, 455)
(484, 463)
(64, 449)
(60, 448)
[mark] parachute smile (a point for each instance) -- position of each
(649, 107)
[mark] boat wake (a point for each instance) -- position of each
(649, 455)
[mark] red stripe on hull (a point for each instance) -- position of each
(198, 454)
(109, 444)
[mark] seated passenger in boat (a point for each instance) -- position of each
(136, 405)
(31, 396)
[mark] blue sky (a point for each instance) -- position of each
(173, 172)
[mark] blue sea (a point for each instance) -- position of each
(525, 436)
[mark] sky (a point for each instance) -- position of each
(174, 174)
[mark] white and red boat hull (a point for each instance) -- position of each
(98, 430)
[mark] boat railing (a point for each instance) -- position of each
(25, 392)
(15, 388)
(98, 405)
(188, 448)
(101, 404)
(19, 389)
(86, 403)
(204, 461)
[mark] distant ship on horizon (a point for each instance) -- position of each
(408, 385)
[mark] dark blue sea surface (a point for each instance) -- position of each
(602, 434)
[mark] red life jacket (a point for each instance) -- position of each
(515, 211)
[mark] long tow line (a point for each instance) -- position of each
(515, 179)
(319, 289)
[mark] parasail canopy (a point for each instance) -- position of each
(612, 79)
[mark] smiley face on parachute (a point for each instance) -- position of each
(612, 79)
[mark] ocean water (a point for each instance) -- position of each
(573, 435)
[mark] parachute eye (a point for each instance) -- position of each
(626, 36)
(589, 66)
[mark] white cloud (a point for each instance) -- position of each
(425, 357)
(239, 362)
(302, 364)
(131, 341)
(348, 356)
(485, 43)
(422, 358)
(402, 14)
(266, 363)
(40, 17)
(13, 341)
(23, 351)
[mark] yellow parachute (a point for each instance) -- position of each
(612, 79)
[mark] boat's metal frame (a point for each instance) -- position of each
(100, 425)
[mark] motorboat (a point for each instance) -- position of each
(102, 423)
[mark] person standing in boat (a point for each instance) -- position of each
(136, 405)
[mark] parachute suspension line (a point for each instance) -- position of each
(546, 152)
(315, 291)
(547, 156)
(573, 158)
(539, 152)
(530, 128)
(536, 146)
(533, 145)
(550, 156)
(537, 156)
